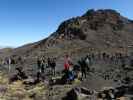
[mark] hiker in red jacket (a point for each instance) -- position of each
(67, 66)
(67, 63)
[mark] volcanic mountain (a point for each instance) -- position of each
(94, 31)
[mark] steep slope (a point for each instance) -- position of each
(100, 30)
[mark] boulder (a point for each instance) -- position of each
(29, 81)
(71, 95)
(3, 89)
(78, 93)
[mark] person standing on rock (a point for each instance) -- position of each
(53, 65)
(67, 65)
(83, 67)
(67, 62)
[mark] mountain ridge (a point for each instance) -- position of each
(100, 30)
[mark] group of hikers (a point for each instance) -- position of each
(47, 67)
(76, 70)
(10, 60)
(44, 63)
(84, 64)
(71, 70)
(6, 61)
(80, 69)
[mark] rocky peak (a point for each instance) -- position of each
(93, 20)
(71, 29)
(102, 14)
(95, 29)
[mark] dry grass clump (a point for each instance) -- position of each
(18, 91)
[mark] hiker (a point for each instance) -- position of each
(123, 63)
(104, 56)
(53, 65)
(20, 60)
(76, 70)
(88, 61)
(12, 61)
(131, 62)
(41, 69)
(92, 57)
(43, 65)
(39, 64)
(67, 66)
(106, 76)
(83, 67)
(49, 62)
(67, 63)
(38, 76)
(71, 76)
(111, 95)
(9, 64)
(0, 62)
